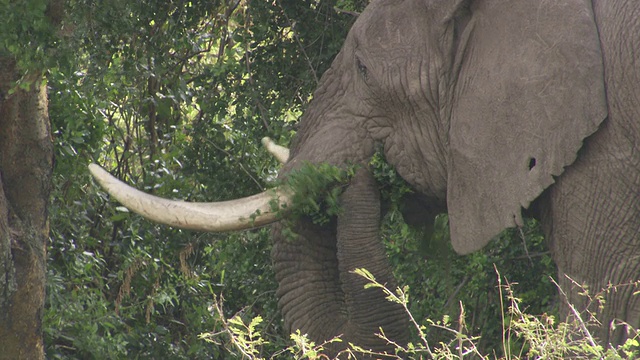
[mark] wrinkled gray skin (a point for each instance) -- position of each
(485, 108)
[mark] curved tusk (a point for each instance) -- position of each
(279, 152)
(245, 213)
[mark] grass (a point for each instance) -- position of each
(524, 336)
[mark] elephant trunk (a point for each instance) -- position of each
(360, 246)
(319, 293)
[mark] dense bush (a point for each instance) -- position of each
(172, 97)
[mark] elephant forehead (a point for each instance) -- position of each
(393, 41)
(390, 25)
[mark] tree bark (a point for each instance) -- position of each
(26, 165)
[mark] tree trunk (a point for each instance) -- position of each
(26, 165)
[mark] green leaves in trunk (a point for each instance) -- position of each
(316, 189)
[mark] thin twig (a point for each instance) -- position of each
(239, 163)
(456, 291)
(575, 312)
(297, 38)
(348, 12)
(524, 245)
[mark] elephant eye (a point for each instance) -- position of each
(362, 69)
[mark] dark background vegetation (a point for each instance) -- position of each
(174, 97)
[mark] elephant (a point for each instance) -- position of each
(487, 108)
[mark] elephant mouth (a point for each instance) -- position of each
(240, 214)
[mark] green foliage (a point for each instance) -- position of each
(392, 187)
(173, 98)
(316, 189)
(243, 338)
(246, 337)
(29, 32)
(538, 337)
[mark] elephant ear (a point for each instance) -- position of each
(529, 90)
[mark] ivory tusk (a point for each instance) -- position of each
(279, 152)
(239, 214)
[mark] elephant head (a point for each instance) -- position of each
(477, 104)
